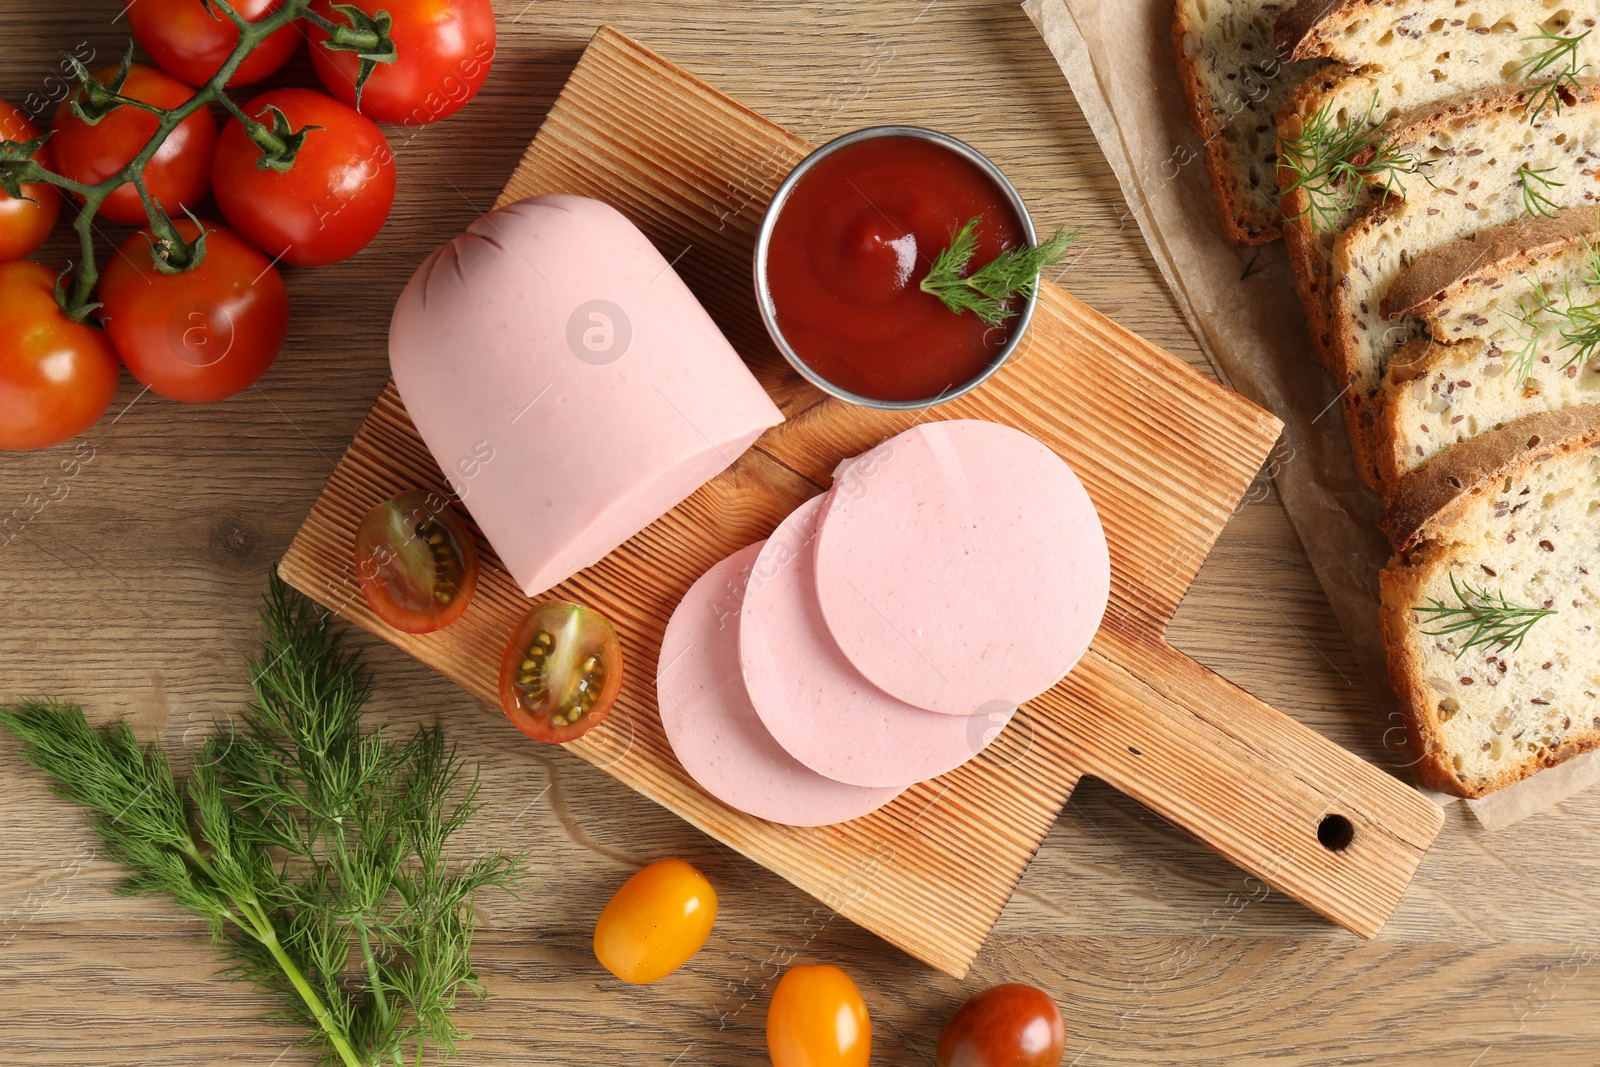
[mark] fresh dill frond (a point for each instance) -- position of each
(1331, 161)
(1559, 61)
(1251, 269)
(316, 850)
(1486, 618)
(1534, 183)
(990, 291)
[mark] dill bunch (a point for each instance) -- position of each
(316, 851)
(1486, 618)
(989, 291)
(1332, 160)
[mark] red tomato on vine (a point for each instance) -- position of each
(25, 223)
(56, 376)
(330, 204)
(444, 50)
(178, 176)
(191, 43)
(201, 334)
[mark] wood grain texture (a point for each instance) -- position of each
(134, 592)
(1165, 455)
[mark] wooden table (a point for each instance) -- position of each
(134, 592)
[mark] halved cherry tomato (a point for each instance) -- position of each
(330, 204)
(416, 562)
(56, 376)
(818, 1019)
(561, 672)
(25, 223)
(1010, 1025)
(655, 922)
(179, 174)
(191, 43)
(444, 49)
(202, 334)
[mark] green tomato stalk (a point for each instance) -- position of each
(368, 36)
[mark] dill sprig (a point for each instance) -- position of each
(1486, 618)
(1535, 200)
(1577, 325)
(1559, 60)
(315, 850)
(989, 291)
(1331, 161)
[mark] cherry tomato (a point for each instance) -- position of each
(561, 672)
(655, 922)
(178, 175)
(56, 376)
(818, 1019)
(416, 562)
(202, 334)
(25, 223)
(1008, 1026)
(191, 43)
(444, 51)
(330, 204)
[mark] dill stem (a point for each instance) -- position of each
(264, 933)
(372, 973)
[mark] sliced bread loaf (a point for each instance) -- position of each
(1235, 83)
(1393, 57)
(1491, 611)
(1490, 159)
(1513, 321)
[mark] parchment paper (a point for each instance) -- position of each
(1241, 305)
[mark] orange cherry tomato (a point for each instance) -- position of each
(179, 174)
(1010, 1025)
(561, 673)
(25, 223)
(655, 922)
(818, 1019)
(416, 562)
(56, 376)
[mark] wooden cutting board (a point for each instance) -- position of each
(1165, 453)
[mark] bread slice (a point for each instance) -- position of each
(1392, 56)
(1513, 515)
(1478, 149)
(1513, 321)
(1235, 83)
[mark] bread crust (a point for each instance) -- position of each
(1309, 261)
(1430, 285)
(1306, 30)
(1416, 358)
(1430, 500)
(1239, 229)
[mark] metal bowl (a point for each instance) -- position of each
(764, 295)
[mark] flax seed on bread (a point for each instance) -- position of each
(1513, 515)
(1391, 58)
(1478, 148)
(1235, 83)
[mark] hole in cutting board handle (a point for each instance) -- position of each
(1335, 832)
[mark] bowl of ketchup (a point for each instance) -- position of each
(843, 250)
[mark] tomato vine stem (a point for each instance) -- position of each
(366, 36)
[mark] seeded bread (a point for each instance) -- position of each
(1495, 306)
(1393, 57)
(1234, 84)
(1473, 147)
(1503, 519)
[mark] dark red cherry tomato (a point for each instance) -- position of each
(179, 174)
(1008, 1026)
(330, 204)
(444, 49)
(561, 672)
(416, 562)
(201, 334)
(191, 43)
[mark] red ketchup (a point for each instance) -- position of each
(849, 250)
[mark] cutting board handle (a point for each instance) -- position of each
(1280, 800)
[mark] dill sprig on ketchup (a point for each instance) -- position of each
(898, 267)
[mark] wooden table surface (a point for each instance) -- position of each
(134, 591)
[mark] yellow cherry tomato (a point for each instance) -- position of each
(818, 1019)
(658, 919)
